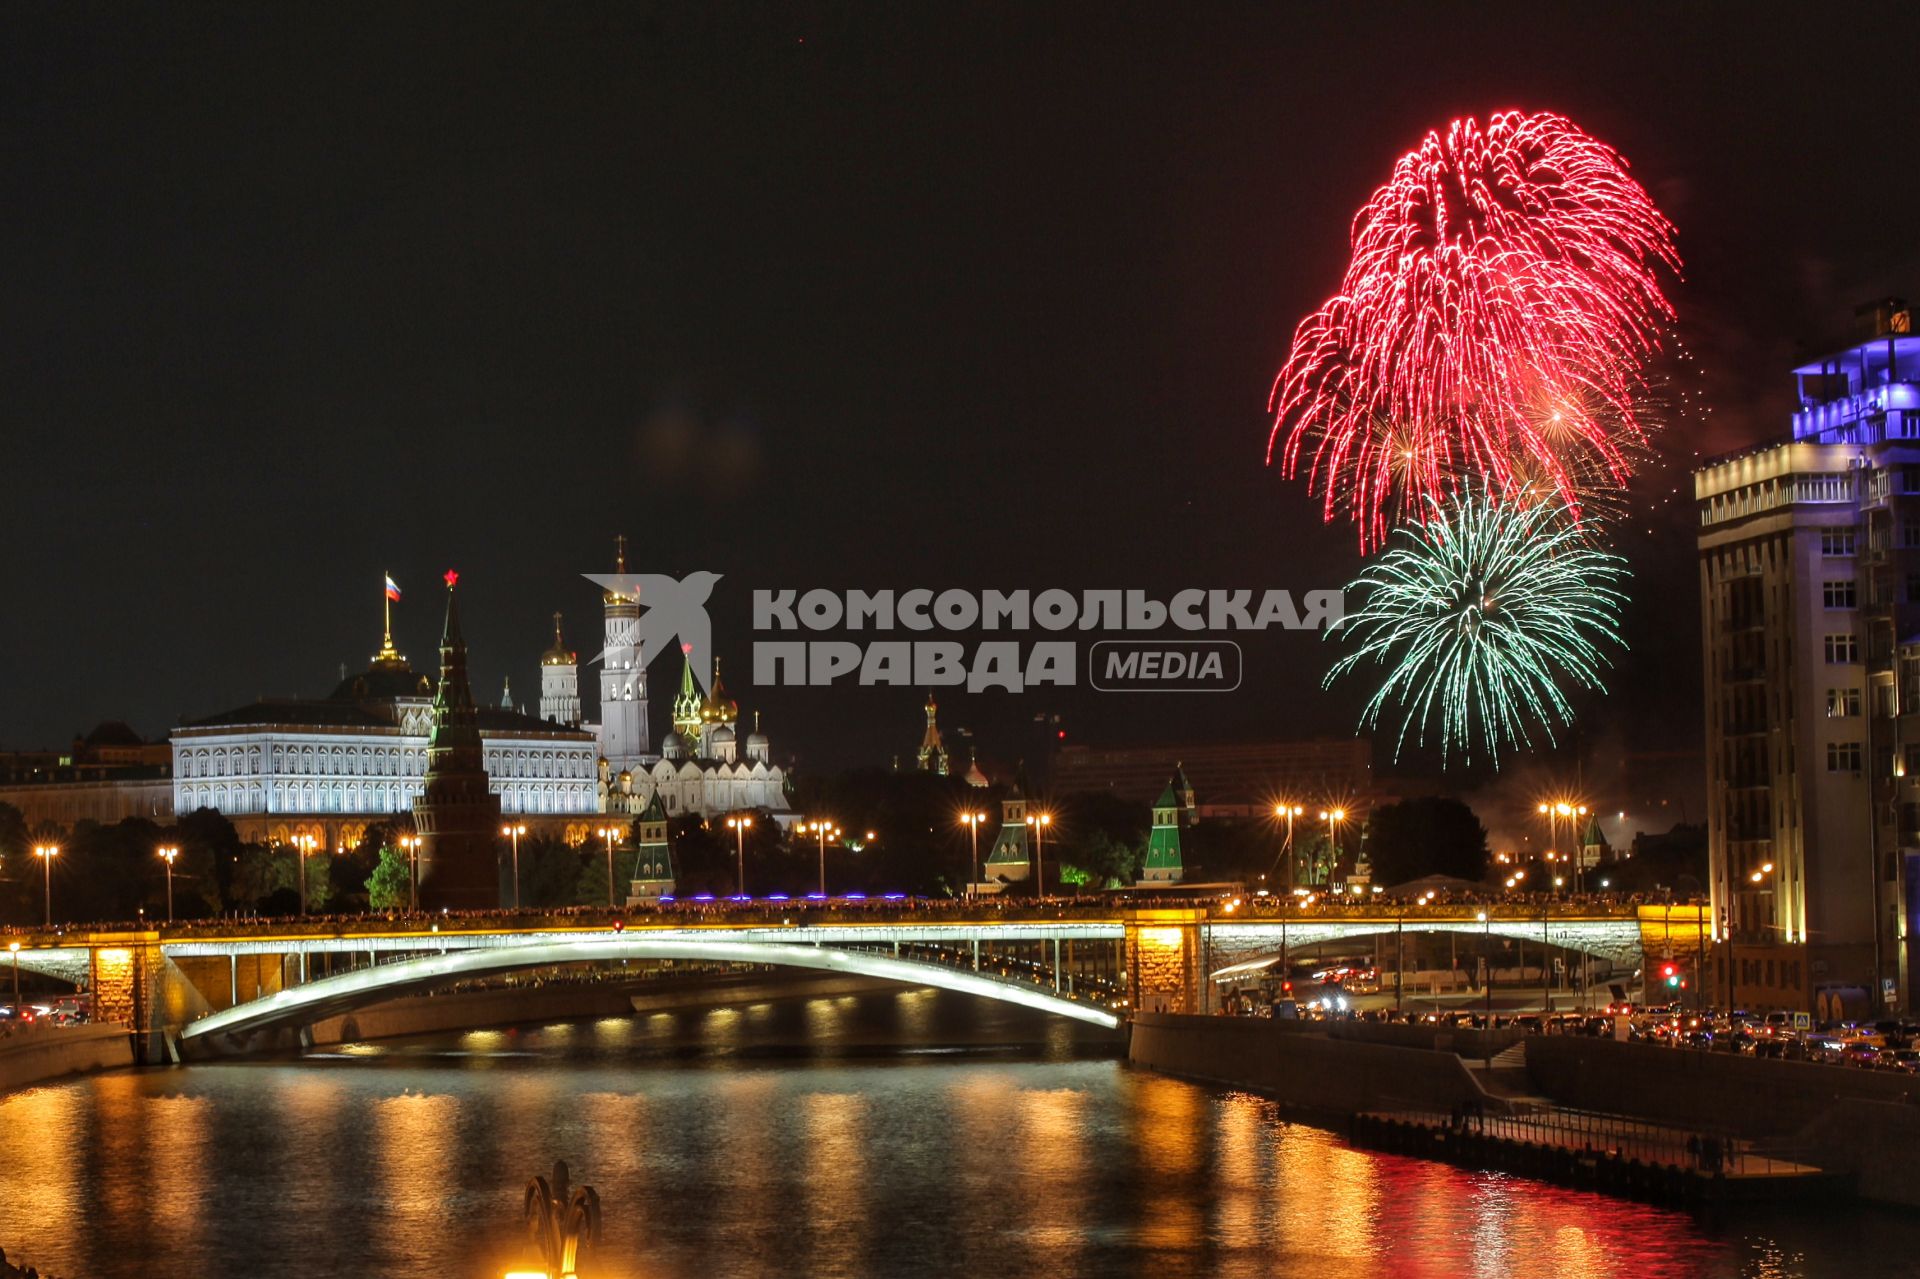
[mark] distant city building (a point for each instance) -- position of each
(1236, 779)
(1810, 607)
(107, 776)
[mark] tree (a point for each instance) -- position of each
(1431, 835)
(550, 873)
(390, 887)
(1101, 861)
(209, 862)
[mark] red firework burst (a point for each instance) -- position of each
(1499, 305)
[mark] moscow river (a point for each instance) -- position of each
(909, 1133)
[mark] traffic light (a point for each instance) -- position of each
(1670, 973)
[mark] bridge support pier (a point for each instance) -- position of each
(1166, 969)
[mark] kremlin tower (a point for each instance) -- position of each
(458, 816)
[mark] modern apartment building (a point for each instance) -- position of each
(1810, 610)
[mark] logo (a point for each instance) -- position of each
(676, 612)
(1165, 666)
(1018, 639)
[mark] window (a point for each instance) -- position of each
(1843, 703)
(1843, 757)
(1837, 594)
(1910, 534)
(1913, 760)
(1834, 542)
(1842, 649)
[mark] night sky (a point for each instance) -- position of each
(809, 297)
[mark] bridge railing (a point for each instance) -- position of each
(775, 912)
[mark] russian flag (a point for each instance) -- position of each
(393, 590)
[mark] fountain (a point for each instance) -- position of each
(560, 1218)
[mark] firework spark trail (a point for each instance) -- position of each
(1503, 277)
(1477, 616)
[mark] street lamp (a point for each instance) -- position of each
(304, 844)
(822, 829)
(514, 832)
(410, 844)
(1333, 817)
(1040, 822)
(1486, 948)
(972, 822)
(169, 855)
(739, 825)
(1288, 812)
(608, 833)
(46, 853)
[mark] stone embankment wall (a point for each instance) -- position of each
(35, 1054)
(1299, 1065)
(1745, 1096)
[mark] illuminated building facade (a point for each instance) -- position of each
(1810, 614)
(329, 767)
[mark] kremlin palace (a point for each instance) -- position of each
(331, 766)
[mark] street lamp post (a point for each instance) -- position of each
(1486, 948)
(821, 830)
(46, 853)
(410, 844)
(14, 948)
(1040, 822)
(303, 846)
(739, 825)
(607, 833)
(1333, 817)
(514, 832)
(169, 855)
(1289, 812)
(972, 822)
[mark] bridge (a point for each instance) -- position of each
(220, 987)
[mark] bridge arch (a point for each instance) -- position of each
(303, 1005)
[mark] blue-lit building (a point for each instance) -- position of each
(1810, 607)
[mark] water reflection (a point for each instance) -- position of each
(412, 1137)
(837, 1174)
(739, 1145)
(177, 1132)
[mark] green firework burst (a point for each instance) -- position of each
(1479, 619)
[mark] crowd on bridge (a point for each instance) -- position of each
(777, 911)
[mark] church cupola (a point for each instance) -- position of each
(933, 753)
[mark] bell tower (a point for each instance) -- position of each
(623, 681)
